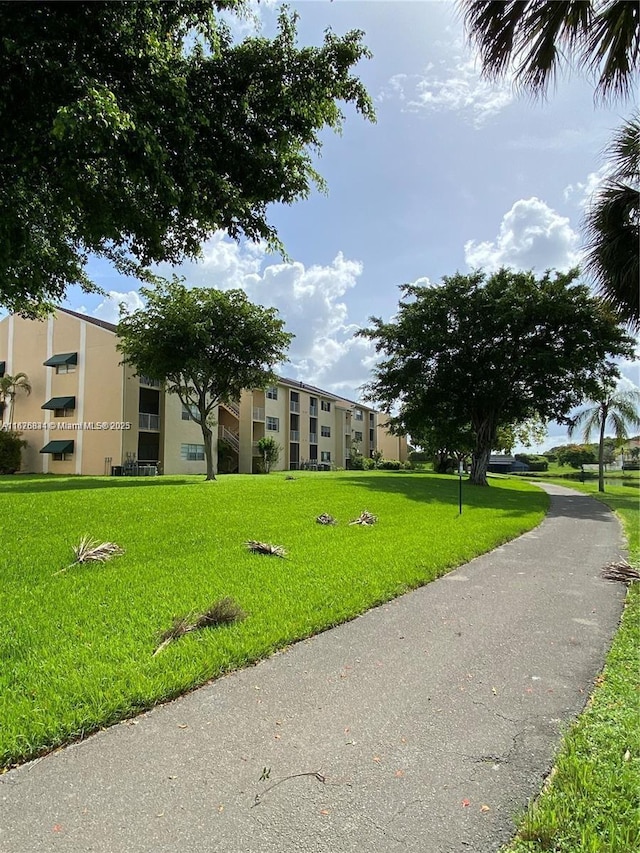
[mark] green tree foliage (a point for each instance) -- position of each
(206, 345)
(10, 451)
(612, 408)
(613, 227)
(269, 450)
(492, 351)
(538, 38)
(134, 130)
(576, 456)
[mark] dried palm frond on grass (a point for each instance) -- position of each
(325, 518)
(365, 518)
(265, 548)
(91, 551)
(621, 571)
(225, 611)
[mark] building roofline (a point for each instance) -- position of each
(95, 321)
(304, 386)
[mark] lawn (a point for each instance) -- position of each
(592, 803)
(77, 645)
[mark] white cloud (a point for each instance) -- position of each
(582, 191)
(109, 308)
(454, 84)
(311, 299)
(531, 236)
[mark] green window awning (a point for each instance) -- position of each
(60, 403)
(58, 447)
(62, 358)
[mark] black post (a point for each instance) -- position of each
(460, 472)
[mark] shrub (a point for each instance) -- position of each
(535, 463)
(10, 451)
(420, 456)
(390, 464)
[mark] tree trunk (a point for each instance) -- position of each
(603, 424)
(207, 435)
(480, 456)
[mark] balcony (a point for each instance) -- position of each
(313, 411)
(313, 438)
(294, 407)
(294, 435)
(254, 449)
(258, 414)
(148, 423)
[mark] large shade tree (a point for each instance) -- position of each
(206, 345)
(134, 130)
(491, 351)
(534, 41)
(614, 409)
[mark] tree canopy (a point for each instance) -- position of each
(207, 345)
(134, 130)
(492, 351)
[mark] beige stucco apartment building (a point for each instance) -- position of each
(89, 414)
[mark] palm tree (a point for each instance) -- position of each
(534, 39)
(619, 409)
(9, 387)
(612, 227)
(538, 37)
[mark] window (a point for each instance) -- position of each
(357, 436)
(325, 406)
(273, 424)
(272, 393)
(358, 415)
(61, 457)
(192, 452)
(325, 431)
(65, 368)
(189, 412)
(325, 456)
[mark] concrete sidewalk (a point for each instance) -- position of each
(424, 725)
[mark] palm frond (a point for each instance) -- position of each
(365, 517)
(265, 548)
(621, 571)
(325, 518)
(91, 551)
(225, 611)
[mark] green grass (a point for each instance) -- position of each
(592, 803)
(77, 647)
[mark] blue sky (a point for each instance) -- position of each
(455, 174)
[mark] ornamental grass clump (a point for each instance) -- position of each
(225, 611)
(365, 518)
(266, 548)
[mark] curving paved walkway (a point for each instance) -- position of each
(430, 721)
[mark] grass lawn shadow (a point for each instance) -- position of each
(39, 483)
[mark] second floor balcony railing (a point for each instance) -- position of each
(258, 414)
(313, 438)
(294, 435)
(148, 422)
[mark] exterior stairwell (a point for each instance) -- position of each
(232, 438)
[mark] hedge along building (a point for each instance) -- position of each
(87, 413)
